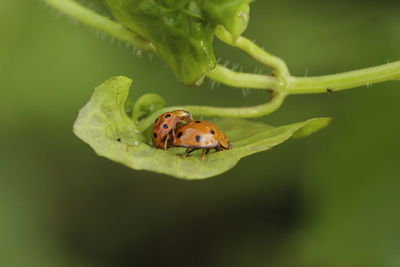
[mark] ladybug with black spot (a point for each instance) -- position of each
(165, 125)
(200, 135)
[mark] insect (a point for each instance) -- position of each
(165, 125)
(200, 135)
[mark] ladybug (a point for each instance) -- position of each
(165, 125)
(200, 135)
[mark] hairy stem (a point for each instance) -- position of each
(242, 80)
(243, 112)
(283, 84)
(277, 64)
(99, 22)
(346, 80)
(317, 84)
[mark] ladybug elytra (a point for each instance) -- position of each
(200, 135)
(165, 125)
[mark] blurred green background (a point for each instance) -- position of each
(331, 199)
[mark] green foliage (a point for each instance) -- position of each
(182, 31)
(105, 126)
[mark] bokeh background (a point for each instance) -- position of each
(332, 199)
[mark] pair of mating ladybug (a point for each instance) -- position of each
(177, 129)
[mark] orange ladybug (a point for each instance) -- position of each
(200, 135)
(165, 125)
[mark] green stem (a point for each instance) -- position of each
(244, 112)
(243, 80)
(277, 64)
(311, 85)
(284, 84)
(99, 22)
(346, 80)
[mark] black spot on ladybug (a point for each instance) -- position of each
(165, 126)
(198, 138)
(197, 121)
(212, 132)
(119, 139)
(155, 135)
(156, 120)
(179, 135)
(167, 116)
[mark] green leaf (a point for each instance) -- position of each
(232, 14)
(182, 31)
(182, 38)
(104, 125)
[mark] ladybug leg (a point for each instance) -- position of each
(188, 151)
(204, 152)
(218, 148)
(168, 139)
(166, 143)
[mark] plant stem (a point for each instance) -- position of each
(99, 22)
(243, 112)
(277, 64)
(317, 84)
(232, 78)
(283, 84)
(295, 85)
(346, 80)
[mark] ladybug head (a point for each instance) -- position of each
(183, 115)
(224, 141)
